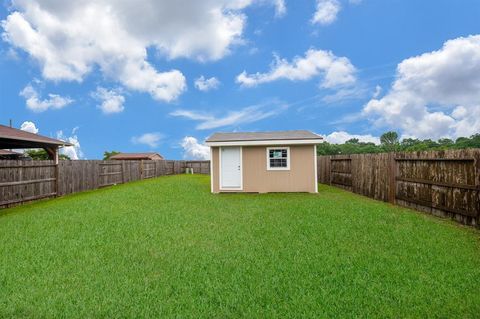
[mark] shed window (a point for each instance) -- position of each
(278, 158)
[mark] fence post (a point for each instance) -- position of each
(392, 172)
(141, 169)
(96, 173)
(57, 182)
(330, 157)
(477, 184)
(123, 172)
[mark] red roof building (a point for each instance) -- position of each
(137, 156)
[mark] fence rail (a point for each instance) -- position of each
(25, 181)
(444, 183)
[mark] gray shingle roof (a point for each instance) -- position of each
(263, 136)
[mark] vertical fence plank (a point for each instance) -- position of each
(477, 184)
(392, 168)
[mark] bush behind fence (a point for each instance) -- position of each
(24, 181)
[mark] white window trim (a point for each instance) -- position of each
(211, 170)
(220, 187)
(278, 168)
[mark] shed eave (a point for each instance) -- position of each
(265, 142)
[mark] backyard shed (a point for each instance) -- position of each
(262, 162)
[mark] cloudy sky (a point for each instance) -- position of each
(157, 75)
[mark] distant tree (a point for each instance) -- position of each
(389, 141)
(353, 141)
(107, 154)
(409, 142)
(475, 140)
(445, 142)
(465, 142)
(326, 148)
(353, 146)
(462, 140)
(42, 155)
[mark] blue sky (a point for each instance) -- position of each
(121, 75)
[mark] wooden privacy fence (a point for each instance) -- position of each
(24, 181)
(444, 183)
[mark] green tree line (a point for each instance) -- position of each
(390, 142)
(42, 155)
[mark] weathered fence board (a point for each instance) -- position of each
(23, 181)
(26, 181)
(444, 183)
(199, 167)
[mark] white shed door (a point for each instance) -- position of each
(231, 167)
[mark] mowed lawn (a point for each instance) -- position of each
(166, 247)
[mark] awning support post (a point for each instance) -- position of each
(53, 155)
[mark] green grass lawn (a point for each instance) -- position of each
(166, 247)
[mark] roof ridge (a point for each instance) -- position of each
(263, 135)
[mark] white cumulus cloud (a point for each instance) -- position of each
(434, 95)
(194, 150)
(149, 139)
(69, 39)
(28, 126)
(326, 12)
(111, 101)
(205, 85)
(341, 137)
(35, 103)
(280, 7)
(75, 151)
(334, 71)
(245, 115)
(378, 91)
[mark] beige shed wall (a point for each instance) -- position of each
(256, 178)
(215, 169)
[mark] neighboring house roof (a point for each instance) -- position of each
(264, 138)
(136, 156)
(7, 152)
(14, 138)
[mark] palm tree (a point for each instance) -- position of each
(389, 141)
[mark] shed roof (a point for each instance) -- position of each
(134, 156)
(14, 138)
(263, 136)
